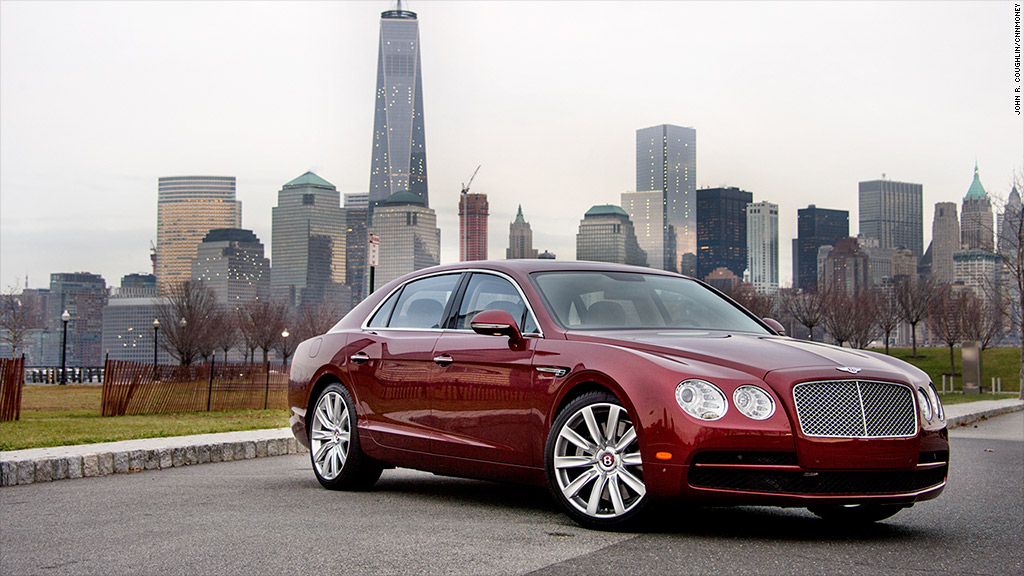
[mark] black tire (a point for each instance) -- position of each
(338, 461)
(855, 513)
(594, 470)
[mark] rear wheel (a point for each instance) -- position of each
(856, 513)
(593, 462)
(338, 462)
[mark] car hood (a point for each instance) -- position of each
(759, 355)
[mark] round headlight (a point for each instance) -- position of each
(701, 399)
(926, 406)
(753, 402)
(933, 395)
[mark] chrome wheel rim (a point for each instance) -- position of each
(597, 461)
(330, 435)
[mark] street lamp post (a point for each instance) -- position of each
(156, 337)
(284, 360)
(65, 317)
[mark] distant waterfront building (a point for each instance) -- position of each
(816, 227)
(409, 237)
(357, 218)
(1010, 225)
(945, 241)
(666, 161)
(646, 210)
(545, 255)
(763, 246)
(308, 240)
(879, 259)
(978, 270)
(472, 227)
(904, 264)
(723, 279)
(977, 225)
(606, 235)
(188, 207)
(520, 238)
(891, 211)
(231, 262)
(128, 329)
(137, 285)
(722, 230)
(847, 267)
(399, 155)
(84, 296)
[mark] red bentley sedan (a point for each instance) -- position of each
(616, 387)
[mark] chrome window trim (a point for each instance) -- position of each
(860, 397)
(529, 307)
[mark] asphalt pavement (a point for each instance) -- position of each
(130, 456)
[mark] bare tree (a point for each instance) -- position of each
(18, 315)
(187, 317)
(946, 319)
(887, 312)
(1011, 257)
(914, 296)
(803, 306)
(316, 319)
(837, 313)
(262, 322)
(225, 332)
(760, 305)
(864, 319)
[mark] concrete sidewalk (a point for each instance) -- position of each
(87, 460)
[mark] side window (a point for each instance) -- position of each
(487, 292)
(422, 302)
(380, 319)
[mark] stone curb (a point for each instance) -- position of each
(28, 470)
(968, 419)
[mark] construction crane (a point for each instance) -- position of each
(465, 187)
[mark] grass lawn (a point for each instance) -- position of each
(995, 363)
(67, 415)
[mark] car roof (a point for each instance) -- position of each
(528, 266)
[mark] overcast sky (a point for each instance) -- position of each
(795, 102)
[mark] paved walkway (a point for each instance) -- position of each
(86, 460)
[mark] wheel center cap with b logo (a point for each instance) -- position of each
(607, 460)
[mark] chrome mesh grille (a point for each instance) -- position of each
(855, 409)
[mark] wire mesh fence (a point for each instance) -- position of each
(139, 388)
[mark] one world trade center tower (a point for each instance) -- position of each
(399, 147)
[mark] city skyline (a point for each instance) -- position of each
(88, 127)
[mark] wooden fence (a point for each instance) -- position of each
(139, 388)
(12, 379)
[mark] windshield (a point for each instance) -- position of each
(625, 300)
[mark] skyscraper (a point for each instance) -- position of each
(891, 211)
(84, 296)
(666, 160)
(945, 241)
(722, 230)
(520, 238)
(357, 219)
(763, 246)
(816, 227)
(409, 236)
(647, 211)
(230, 261)
(977, 225)
(472, 227)
(308, 239)
(606, 235)
(188, 207)
(847, 267)
(399, 148)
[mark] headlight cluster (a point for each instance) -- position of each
(931, 406)
(705, 401)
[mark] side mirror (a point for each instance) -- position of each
(775, 325)
(496, 323)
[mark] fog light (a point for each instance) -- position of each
(701, 399)
(753, 402)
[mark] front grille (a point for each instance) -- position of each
(820, 483)
(855, 409)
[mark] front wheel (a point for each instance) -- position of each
(338, 462)
(593, 464)
(855, 513)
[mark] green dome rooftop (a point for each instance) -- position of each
(976, 191)
(403, 198)
(606, 210)
(310, 180)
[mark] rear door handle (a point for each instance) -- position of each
(443, 360)
(359, 357)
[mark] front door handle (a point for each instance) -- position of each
(359, 357)
(443, 360)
